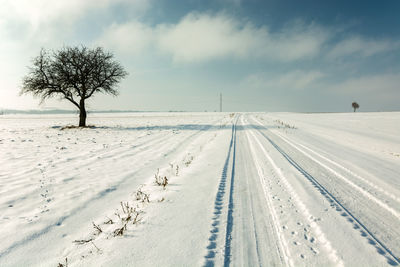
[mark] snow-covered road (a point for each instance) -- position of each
(254, 189)
(290, 205)
(330, 214)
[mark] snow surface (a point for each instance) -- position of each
(250, 189)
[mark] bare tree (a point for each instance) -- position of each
(355, 106)
(75, 74)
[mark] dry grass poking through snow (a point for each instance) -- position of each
(160, 180)
(132, 212)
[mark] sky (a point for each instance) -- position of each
(261, 55)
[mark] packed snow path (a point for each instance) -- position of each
(250, 190)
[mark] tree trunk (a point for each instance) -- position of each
(82, 114)
(354, 109)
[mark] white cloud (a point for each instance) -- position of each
(205, 37)
(201, 37)
(131, 38)
(294, 80)
(39, 12)
(379, 85)
(295, 42)
(47, 22)
(25, 26)
(363, 47)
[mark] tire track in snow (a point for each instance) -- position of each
(373, 240)
(254, 222)
(218, 206)
(282, 243)
(229, 225)
(358, 188)
(306, 213)
(344, 169)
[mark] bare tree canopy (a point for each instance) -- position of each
(73, 73)
(355, 106)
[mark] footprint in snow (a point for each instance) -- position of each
(363, 233)
(314, 250)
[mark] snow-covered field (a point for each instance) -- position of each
(250, 189)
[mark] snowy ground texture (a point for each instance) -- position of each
(255, 189)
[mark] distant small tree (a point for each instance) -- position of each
(355, 106)
(75, 74)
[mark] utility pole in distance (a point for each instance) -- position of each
(220, 102)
